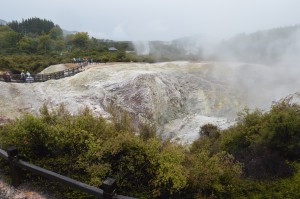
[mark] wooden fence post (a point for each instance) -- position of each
(109, 188)
(12, 153)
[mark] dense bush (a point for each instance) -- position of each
(90, 149)
(31, 63)
(256, 158)
(265, 142)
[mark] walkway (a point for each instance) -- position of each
(45, 77)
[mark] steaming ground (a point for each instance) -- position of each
(178, 97)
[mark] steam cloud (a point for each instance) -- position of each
(263, 66)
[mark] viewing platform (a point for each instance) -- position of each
(16, 78)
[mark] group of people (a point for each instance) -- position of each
(79, 60)
(26, 77)
(7, 76)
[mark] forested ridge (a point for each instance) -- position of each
(273, 46)
(33, 26)
(35, 43)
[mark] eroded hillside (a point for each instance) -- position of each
(177, 96)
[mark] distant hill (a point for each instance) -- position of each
(68, 32)
(278, 45)
(2, 22)
(181, 49)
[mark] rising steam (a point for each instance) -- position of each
(262, 67)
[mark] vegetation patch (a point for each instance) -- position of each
(256, 158)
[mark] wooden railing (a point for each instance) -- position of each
(107, 191)
(48, 76)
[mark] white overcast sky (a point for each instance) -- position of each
(157, 19)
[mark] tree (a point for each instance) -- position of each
(281, 132)
(265, 142)
(27, 45)
(56, 33)
(59, 45)
(8, 39)
(44, 43)
(81, 40)
(215, 175)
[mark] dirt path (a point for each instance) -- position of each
(24, 191)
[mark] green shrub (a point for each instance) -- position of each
(213, 175)
(264, 142)
(89, 149)
(256, 158)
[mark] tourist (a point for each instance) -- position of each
(29, 79)
(23, 77)
(28, 74)
(7, 76)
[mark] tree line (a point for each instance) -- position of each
(34, 43)
(32, 25)
(36, 35)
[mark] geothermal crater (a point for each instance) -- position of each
(178, 97)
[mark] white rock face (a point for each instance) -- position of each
(178, 97)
